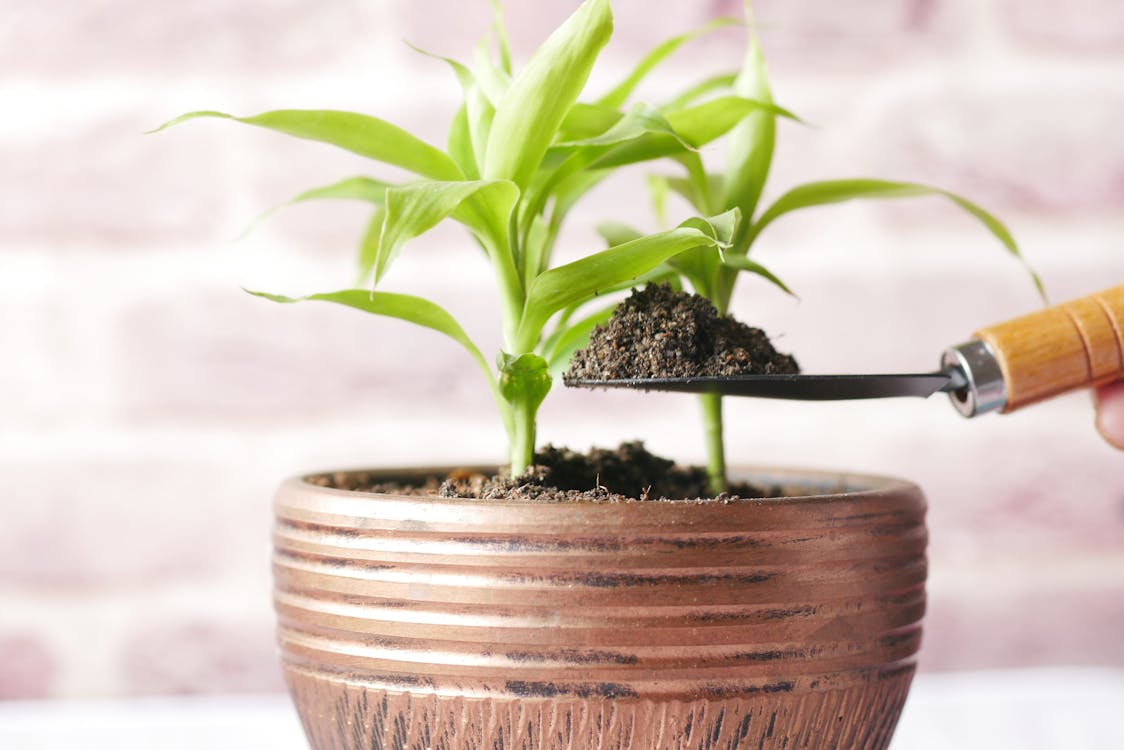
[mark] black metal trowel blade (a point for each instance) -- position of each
(797, 387)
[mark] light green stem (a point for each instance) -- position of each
(523, 438)
(715, 448)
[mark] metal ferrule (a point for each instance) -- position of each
(984, 390)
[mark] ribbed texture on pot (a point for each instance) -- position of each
(418, 624)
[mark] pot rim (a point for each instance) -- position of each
(852, 486)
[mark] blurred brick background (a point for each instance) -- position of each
(149, 407)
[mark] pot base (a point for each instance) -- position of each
(340, 714)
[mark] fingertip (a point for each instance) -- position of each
(1109, 401)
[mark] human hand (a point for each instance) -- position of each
(1109, 402)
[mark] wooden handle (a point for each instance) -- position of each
(1075, 345)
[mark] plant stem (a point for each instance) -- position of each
(523, 439)
(715, 448)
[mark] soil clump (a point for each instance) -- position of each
(660, 333)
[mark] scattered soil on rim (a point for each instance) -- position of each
(660, 333)
(626, 474)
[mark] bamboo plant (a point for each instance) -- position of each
(522, 150)
(737, 186)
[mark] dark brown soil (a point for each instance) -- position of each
(560, 475)
(660, 333)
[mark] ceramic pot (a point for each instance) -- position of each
(413, 623)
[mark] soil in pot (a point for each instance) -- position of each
(628, 473)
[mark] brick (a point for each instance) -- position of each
(1079, 27)
(106, 182)
(113, 521)
(993, 139)
(28, 671)
(200, 656)
(54, 37)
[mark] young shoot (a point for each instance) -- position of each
(522, 150)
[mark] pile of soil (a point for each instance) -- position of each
(660, 333)
(628, 473)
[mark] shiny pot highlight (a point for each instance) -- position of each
(413, 623)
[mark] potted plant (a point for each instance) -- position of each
(526, 618)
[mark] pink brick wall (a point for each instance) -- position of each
(149, 408)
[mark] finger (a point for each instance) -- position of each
(1109, 402)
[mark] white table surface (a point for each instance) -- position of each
(1057, 709)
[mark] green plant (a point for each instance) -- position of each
(738, 186)
(521, 151)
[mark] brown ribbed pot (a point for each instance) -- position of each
(431, 624)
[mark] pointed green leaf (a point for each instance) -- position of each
(499, 28)
(622, 91)
(361, 134)
(540, 96)
(412, 210)
(742, 263)
(837, 191)
(640, 120)
(699, 90)
(353, 188)
(369, 247)
(615, 233)
(460, 144)
(492, 79)
(406, 307)
(586, 278)
(749, 152)
(659, 190)
(696, 126)
(536, 249)
(468, 134)
(703, 123)
(587, 120)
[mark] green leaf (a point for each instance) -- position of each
(592, 275)
(703, 123)
(499, 28)
(524, 379)
(641, 119)
(494, 81)
(837, 191)
(696, 126)
(570, 338)
(361, 134)
(699, 90)
(468, 134)
(460, 144)
(588, 120)
(622, 91)
(369, 247)
(412, 210)
(353, 188)
(742, 263)
(406, 307)
(749, 153)
(615, 233)
(659, 190)
(536, 104)
(536, 249)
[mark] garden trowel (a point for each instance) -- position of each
(1005, 367)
